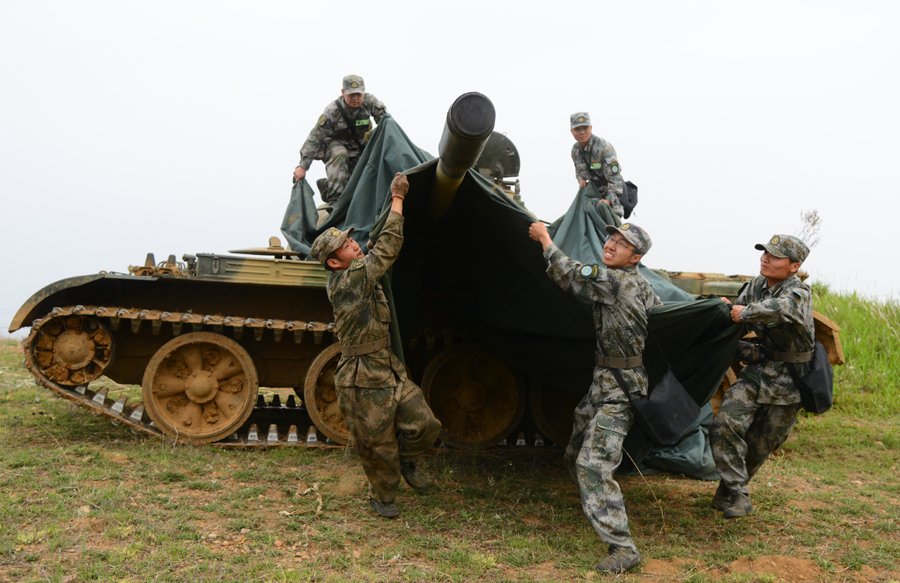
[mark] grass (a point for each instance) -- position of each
(81, 497)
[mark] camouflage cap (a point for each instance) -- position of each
(782, 246)
(580, 118)
(635, 235)
(328, 242)
(354, 84)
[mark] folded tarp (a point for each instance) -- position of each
(479, 254)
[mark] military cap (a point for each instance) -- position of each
(354, 84)
(634, 235)
(782, 246)
(579, 119)
(328, 242)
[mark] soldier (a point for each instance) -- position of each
(622, 301)
(338, 137)
(390, 423)
(760, 409)
(595, 161)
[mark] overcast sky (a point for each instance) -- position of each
(173, 127)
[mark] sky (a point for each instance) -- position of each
(174, 127)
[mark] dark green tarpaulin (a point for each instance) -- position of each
(479, 254)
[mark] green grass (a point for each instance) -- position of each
(83, 497)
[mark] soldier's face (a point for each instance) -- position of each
(619, 253)
(776, 269)
(582, 134)
(353, 100)
(346, 253)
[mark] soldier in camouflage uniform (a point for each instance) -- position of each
(390, 423)
(595, 161)
(760, 409)
(622, 302)
(338, 137)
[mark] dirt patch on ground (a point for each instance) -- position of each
(790, 569)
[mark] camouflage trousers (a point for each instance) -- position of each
(745, 432)
(387, 426)
(340, 162)
(593, 454)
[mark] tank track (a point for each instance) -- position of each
(273, 415)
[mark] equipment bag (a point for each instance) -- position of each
(817, 387)
(667, 412)
(629, 198)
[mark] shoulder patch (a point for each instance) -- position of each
(357, 263)
(589, 271)
(614, 166)
(322, 119)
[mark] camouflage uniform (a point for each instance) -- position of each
(759, 411)
(622, 301)
(386, 412)
(599, 156)
(339, 146)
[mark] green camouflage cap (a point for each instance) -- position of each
(579, 119)
(354, 84)
(634, 235)
(782, 246)
(327, 242)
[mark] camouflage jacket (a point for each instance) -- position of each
(782, 317)
(362, 314)
(622, 300)
(600, 156)
(332, 126)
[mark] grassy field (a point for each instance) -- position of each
(87, 501)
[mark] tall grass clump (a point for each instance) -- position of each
(868, 384)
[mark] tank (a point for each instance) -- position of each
(200, 336)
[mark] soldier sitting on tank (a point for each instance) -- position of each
(759, 411)
(389, 421)
(339, 136)
(622, 300)
(595, 161)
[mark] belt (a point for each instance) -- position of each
(792, 357)
(613, 362)
(366, 347)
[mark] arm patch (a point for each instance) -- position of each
(357, 263)
(589, 271)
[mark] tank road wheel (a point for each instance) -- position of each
(476, 397)
(321, 398)
(72, 350)
(553, 411)
(200, 387)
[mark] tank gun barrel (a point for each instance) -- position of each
(470, 121)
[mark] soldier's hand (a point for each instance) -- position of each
(726, 300)
(299, 173)
(582, 183)
(603, 200)
(736, 313)
(399, 186)
(538, 232)
(370, 244)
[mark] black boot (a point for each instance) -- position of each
(385, 509)
(322, 185)
(740, 506)
(413, 477)
(723, 498)
(619, 560)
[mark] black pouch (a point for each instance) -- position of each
(751, 352)
(816, 387)
(667, 413)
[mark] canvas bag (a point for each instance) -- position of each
(816, 387)
(667, 412)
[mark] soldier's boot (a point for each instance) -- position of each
(722, 498)
(322, 185)
(415, 478)
(385, 509)
(740, 506)
(619, 559)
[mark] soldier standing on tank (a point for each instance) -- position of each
(622, 300)
(390, 423)
(595, 161)
(760, 409)
(339, 136)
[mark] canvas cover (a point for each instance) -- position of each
(478, 254)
